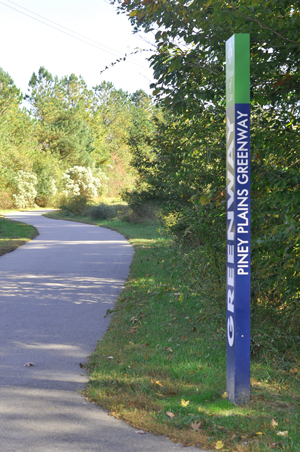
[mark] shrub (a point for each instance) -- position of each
(25, 187)
(6, 201)
(80, 181)
(76, 205)
(46, 189)
(103, 212)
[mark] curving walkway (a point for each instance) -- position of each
(54, 292)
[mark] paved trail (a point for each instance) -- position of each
(54, 292)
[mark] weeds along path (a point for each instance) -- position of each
(55, 292)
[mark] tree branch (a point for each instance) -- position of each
(263, 25)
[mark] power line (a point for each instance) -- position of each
(96, 45)
(65, 28)
(116, 9)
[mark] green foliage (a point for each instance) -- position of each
(186, 172)
(69, 125)
(61, 108)
(74, 205)
(47, 169)
(17, 143)
(102, 212)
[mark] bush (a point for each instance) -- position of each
(25, 187)
(123, 212)
(6, 201)
(46, 190)
(76, 205)
(103, 212)
(80, 181)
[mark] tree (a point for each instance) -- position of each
(189, 61)
(189, 168)
(17, 140)
(126, 126)
(61, 109)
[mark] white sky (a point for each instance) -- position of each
(27, 44)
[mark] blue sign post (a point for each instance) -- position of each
(238, 216)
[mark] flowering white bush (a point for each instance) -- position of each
(25, 184)
(80, 181)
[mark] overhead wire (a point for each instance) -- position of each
(96, 44)
(65, 28)
(116, 9)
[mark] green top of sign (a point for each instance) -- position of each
(238, 69)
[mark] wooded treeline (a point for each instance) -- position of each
(65, 125)
(186, 173)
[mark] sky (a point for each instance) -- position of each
(27, 44)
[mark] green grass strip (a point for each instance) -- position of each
(14, 234)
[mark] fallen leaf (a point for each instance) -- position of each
(81, 365)
(141, 432)
(274, 423)
(29, 365)
(158, 383)
(134, 319)
(200, 367)
(169, 350)
(224, 395)
(110, 357)
(160, 395)
(184, 403)
(133, 330)
(195, 425)
(170, 414)
(285, 433)
(259, 433)
(294, 371)
(219, 445)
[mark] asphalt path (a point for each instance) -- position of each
(54, 293)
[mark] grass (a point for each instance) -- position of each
(14, 234)
(161, 364)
